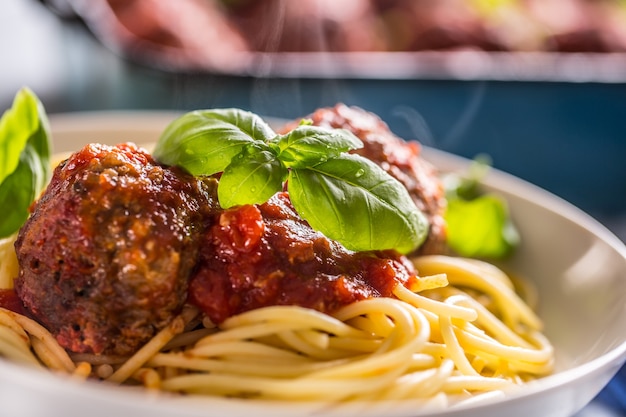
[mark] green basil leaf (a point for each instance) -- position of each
(478, 224)
(309, 145)
(481, 227)
(346, 197)
(25, 148)
(204, 141)
(252, 177)
(468, 187)
(352, 200)
(20, 190)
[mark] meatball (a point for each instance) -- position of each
(308, 25)
(447, 25)
(106, 254)
(262, 255)
(399, 158)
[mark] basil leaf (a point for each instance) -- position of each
(481, 227)
(309, 145)
(354, 201)
(468, 187)
(204, 141)
(252, 177)
(347, 197)
(478, 224)
(24, 158)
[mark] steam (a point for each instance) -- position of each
(454, 136)
(418, 126)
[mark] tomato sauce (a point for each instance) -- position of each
(262, 255)
(10, 301)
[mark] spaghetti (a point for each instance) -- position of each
(464, 332)
(459, 331)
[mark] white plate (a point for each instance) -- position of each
(578, 266)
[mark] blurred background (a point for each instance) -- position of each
(538, 85)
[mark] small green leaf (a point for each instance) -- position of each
(352, 200)
(252, 177)
(306, 145)
(25, 148)
(478, 224)
(204, 141)
(468, 187)
(480, 227)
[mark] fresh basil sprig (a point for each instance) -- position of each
(24, 158)
(478, 223)
(345, 196)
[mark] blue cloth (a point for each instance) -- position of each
(614, 394)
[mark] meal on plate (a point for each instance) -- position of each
(322, 260)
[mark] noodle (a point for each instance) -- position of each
(42, 342)
(152, 347)
(436, 342)
(485, 278)
(8, 262)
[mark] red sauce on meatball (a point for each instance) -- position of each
(262, 255)
(10, 301)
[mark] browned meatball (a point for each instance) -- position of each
(107, 252)
(399, 158)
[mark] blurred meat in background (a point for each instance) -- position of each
(223, 35)
(184, 34)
